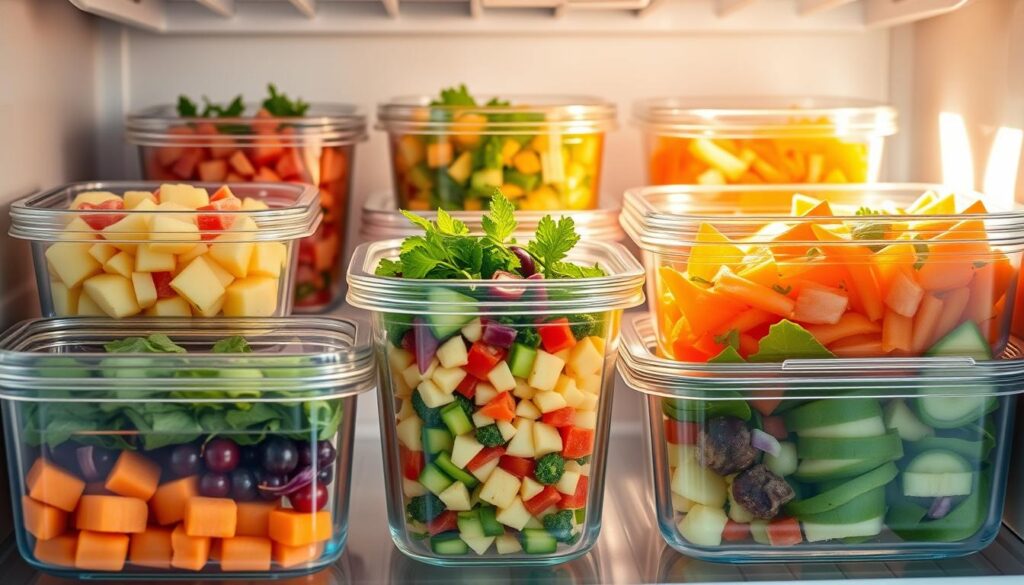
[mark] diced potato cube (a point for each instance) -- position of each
(113, 293)
(148, 260)
(523, 390)
(546, 439)
(465, 449)
(501, 377)
(546, 369)
(172, 307)
(145, 289)
(501, 489)
(481, 420)
(590, 383)
(231, 251)
(530, 488)
(184, 195)
(88, 307)
(448, 379)
(255, 296)
(703, 525)
(698, 484)
(473, 330)
(484, 471)
(484, 393)
(267, 259)
(169, 235)
(65, 300)
(567, 484)
(72, 262)
(432, 395)
(528, 410)
(412, 488)
(586, 420)
(409, 433)
(452, 353)
(125, 233)
(681, 504)
(508, 430)
(515, 515)
(198, 284)
(507, 544)
(92, 198)
(584, 358)
(549, 401)
(133, 198)
(121, 264)
(102, 252)
(480, 544)
(566, 386)
(398, 358)
(521, 445)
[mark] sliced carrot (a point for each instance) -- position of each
(290, 556)
(704, 309)
(749, 319)
(953, 305)
(784, 532)
(245, 553)
(765, 273)
(935, 275)
(189, 552)
(820, 209)
(50, 484)
(976, 207)
(712, 250)
(749, 345)
(904, 294)
(989, 284)
(858, 261)
(254, 518)
(100, 551)
(926, 321)
(297, 528)
(133, 476)
(891, 260)
(58, 551)
(849, 324)
(42, 521)
(215, 517)
(753, 294)
(111, 514)
(819, 270)
(801, 232)
(820, 305)
(896, 332)
(684, 351)
(151, 548)
(710, 344)
(169, 502)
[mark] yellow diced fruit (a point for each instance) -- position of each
(197, 251)
(113, 293)
(65, 300)
(526, 162)
(546, 369)
(549, 401)
(121, 263)
(223, 276)
(267, 259)
(213, 310)
(566, 386)
(184, 195)
(231, 252)
(132, 199)
(172, 307)
(171, 235)
(703, 525)
(72, 262)
(590, 383)
(255, 296)
(147, 260)
(92, 198)
(509, 148)
(588, 402)
(126, 233)
(251, 204)
(102, 252)
(198, 284)
(88, 307)
(78, 230)
(546, 439)
(145, 289)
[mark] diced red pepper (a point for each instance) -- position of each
(448, 520)
(482, 359)
(680, 432)
(217, 222)
(501, 407)
(467, 387)
(162, 282)
(579, 498)
(517, 466)
(577, 442)
(485, 456)
(784, 532)
(735, 532)
(98, 221)
(221, 193)
(542, 501)
(556, 335)
(775, 426)
(563, 417)
(412, 463)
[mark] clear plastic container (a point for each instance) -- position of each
(166, 259)
(729, 140)
(317, 149)
(877, 270)
(485, 439)
(544, 152)
(826, 460)
(129, 457)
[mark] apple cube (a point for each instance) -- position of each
(213, 310)
(599, 343)
(412, 376)
(546, 369)
(681, 504)
(432, 395)
(231, 251)
(399, 359)
(267, 259)
(452, 353)
(680, 454)
(125, 233)
(255, 296)
(172, 307)
(481, 420)
(473, 330)
(456, 497)
(171, 235)
(501, 377)
(448, 379)
(479, 544)
(589, 402)
(113, 293)
(484, 393)
(88, 307)
(121, 264)
(102, 252)
(72, 262)
(132, 199)
(412, 488)
(566, 386)
(145, 289)
(92, 198)
(549, 401)
(567, 483)
(184, 195)
(530, 488)
(197, 251)
(523, 390)
(698, 484)
(507, 544)
(584, 358)
(406, 410)
(515, 515)
(148, 260)
(590, 383)
(526, 409)
(508, 430)
(703, 525)
(78, 230)
(546, 439)
(521, 445)
(484, 471)
(198, 284)
(464, 449)
(65, 300)
(586, 420)
(737, 513)
(409, 433)
(500, 489)
(251, 204)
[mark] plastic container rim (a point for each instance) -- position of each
(569, 114)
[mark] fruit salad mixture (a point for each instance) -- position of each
(277, 154)
(459, 168)
(496, 416)
(924, 282)
(185, 265)
(228, 486)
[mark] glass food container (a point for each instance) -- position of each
(824, 459)
(148, 449)
(544, 152)
(494, 451)
(126, 249)
(728, 140)
(316, 149)
(866, 271)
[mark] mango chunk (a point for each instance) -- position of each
(184, 195)
(72, 262)
(267, 259)
(149, 260)
(65, 300)
(121, 264)
(171, 235)
(198, 283)
(255, 296)
(113, 294)
(172, 307)
(145, 289)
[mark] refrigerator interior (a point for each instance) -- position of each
(70, 70)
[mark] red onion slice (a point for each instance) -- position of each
(87, 464)
(527, 267)
(498, 335)
(426, 345)
(940, 507)
(508, 293)
(762, 441)
(298, 481)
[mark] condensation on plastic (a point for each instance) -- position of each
(551, 114)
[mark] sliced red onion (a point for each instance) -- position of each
(499, 335)
(527, 267)
(86, 463)
(940, 507)
(298, 481)
(537, 294)
(762, 441)
(426, 345)
(508, 293)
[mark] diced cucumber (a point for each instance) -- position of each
(965, 340)
(434, 479)
(972, 450)
(950, 412)
(436, 440)
(489, 522)
(537, 541)
(526, 182)
(580, 516)
(443, 300)
(841, 494)
(444, 463)
(485, 180)
(448, 544)
(884, 447)
(937, 473)
(819, 470)
(786, 463)
(520, 360)
(964, 521)
(455, 419)
(470, 525)
(869, 505)
(939, 462)
(815, 532)
(869, 427)
(899, 417)
(822, 414)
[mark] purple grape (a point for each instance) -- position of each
(104, 460)
(214, 485)
(64, 455)
(269, 480)
(526, 265)
(325, 453)
(250, 456)
(309, 499)
(305, 454)
(243, 485)
(221, 455)
(184, 460)
(279, 455)
(325, 475)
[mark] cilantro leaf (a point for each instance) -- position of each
(729, 355)
(455, 96)
(570, 270)
(787, 340)
(448, 225)
(389, 267)
(418, 263)
(187, 108)
(869, 231)
(279, 105)
(500, 223)
(553, 240)
(418, 220)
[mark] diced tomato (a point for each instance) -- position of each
(517, 466)
(542, 501)
(267, 154)
(412, 463)
(223, 192)
(577, 442)
(289, 165)
(775, 426)
(448, 520)
(485, 455)
(563, 417)
(162, 282)
(680, 432)
(482, 359)
(501, 407)
(784, 532)
(578, 499)
(556, 335)
(735, 532)
(98, 221)
(409, 343)
(467, 387)
(185, 166)
(768, 404)
(217, 222)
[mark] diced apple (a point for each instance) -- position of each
(267, 259)
(698, 484)
(78, 230)
(562, 355)
(507, 544)
(230, 249)
(412, 375)
(172, 307)
(703, 525)
(465, 449)
(452, 353)
(529, 488)
(514, 515)
(523, 390)
(133, 198)
(501, 377)
(406, 411)
(738, 513)
(170, 235)
(584, 358)
(448, 379)
(88, 307)
(681, 504)
(255, 296)
(121, 263)
(409, 433)
(481, 420)
(456, 497)
(521, 445)
(590, 383)
(125, 233)
(500, 489)
(185, 195)
(400, 388)
(92, 198)
(567, 483)
(599, 343)
(251, 204)
(148, 260)
(432, 395)
(508, 430)
(566, 386)
(484, 393)
(528, 410)
(484, 471)
(411, 488)
(72, 262)
(473, 330)
(145, 289)
(549, 401)
(399, 359)
(480, 544)
(113, 293)
(586, 419)
(198, 284)
(197, 251)
(65, 300)
(546, 369)
(546, 439)
(589, 402)
(102, 252)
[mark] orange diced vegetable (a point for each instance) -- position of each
(765, 273)
(801, 232)
(254, 518)
(944, 273)
(753, 294)
(976, 207)
(991, 281)
(953, 304)
(216, 517)
(42, 521)
(50, 484)
(290, 556)
(904, 294)
(133, 476)
(711, 251)
(849, 324)
(858, 263)
(820, 209)
(298, 528)
(896, 332)
(784, 532)
(111, 514)
(189, 552)
(820, 305)
(891, 260)
(704, 309)
(925, 323)
(99, 551)
(151, 548)
(170, 500)
(58, 551)
(245, 553)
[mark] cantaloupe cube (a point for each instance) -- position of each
(198, 284)
(252, 204)
(113, 293)
(78, 230)
(171, 235)
(189, 552)
(42, 521)
(184, 195)
(254, 518)
(120, 264)
(267, 259)
(223, 276)
(151, 548)
(148, 260)
(169, 501)
(58, 551)
(65, 300)
(102, 252)
(145, 290)
(584, 358)
(172, 307)
(231, 250)
(101, 552)
(255, 296)
(134, 476)
(88, 307)
(291, 556)
(111, 514)
(92, 198)
(126, 233)
(133, 198)
(213, 517)
(195, 252)
(213, 310)
(500, 489)
(298, 528)
(52, 485)
(72, 262)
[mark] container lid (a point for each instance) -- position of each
(323, 125)
(645, 371)
(295, 357)
(764, 117)
(294, 212)
(527, 113)
(622, 288)
(381, 220)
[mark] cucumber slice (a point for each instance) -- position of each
(950, 412)
(456, 420)
(537, 541)
(819, 470)
(444, 463)
(837, 496)
(885, 447)
(520, 360)
(786, 463)
(937, 473)
(489, 522)
(939, 462)
(963, 522)
(470, 525)
(434, 479)
(449, 301)
(826, 413)
(448, 544)
(965, 340)
(700, 410)
(898, 416)
(869, 505)
(815, 532)
(436, 440)
(973, 450)
(869, 427)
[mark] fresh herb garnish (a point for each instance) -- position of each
(782, 290)
(729, 339)
(189, 109)
(865, 210)
(813, 252)
(870, 231)
(729, 355)
(921, 251)
(279, 105)
(233, 344)
(155, 343)
(787, 340)
(455, 96)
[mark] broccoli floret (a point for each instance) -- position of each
(529, 337)
(583, 460)
(586, 324)
(465, 403)
(490, 436)
(549, 469)
(560, 525)
(425, 508)
(431, 416)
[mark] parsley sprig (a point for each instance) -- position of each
(279, 105)
(189, 109)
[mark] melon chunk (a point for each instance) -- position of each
(267, 259)
(88, 307)
(42, 521)
(184, 195)
(290, 556)
(65, 300)
(171, 235)
(297, 528)
(132, 199)
(101, 552)
(168, 503)
(189, 552)
(102, 252)
(255, 296)
(50, 484)
(145, 289)
(254, 518)
(58, 551)
(134, 476)
(72, 262)
(198, 284)
(151, 548)
(245, 553)
(113, 293)
(111, 514)
(120, 264)
(78, 230)
(230, 249)
(173, 307)
(149, 260)
(125, 233)
(92, 198)
(213, 517)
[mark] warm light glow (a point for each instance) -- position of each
(1003, 161)
(957, 164)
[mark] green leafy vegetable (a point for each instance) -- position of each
(233, 344)
(279, 105)
(455, 96)
(155, 343)
(189, 109)
(787, 340)
(729, 355)
(730, 338)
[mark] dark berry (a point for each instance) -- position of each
(104, 460)
(184, 460)
(221, 455)
(243, 485)
(64, 455)
(250, 456)
(268, 480)
(310, 498)
(325, 453)
(214, 485)
(305, 454)
(279, 455)
(325, 475)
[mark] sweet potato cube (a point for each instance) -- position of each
(189, 552)
(58, 551)
(151, 548)
(111, 514)
(215, 517)
(50, 484)
(133, 475)
(290, 556)
(101, 552)
(245, 553)
(42, 521)
(254, 518)
(297, 528)
(169, 501)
